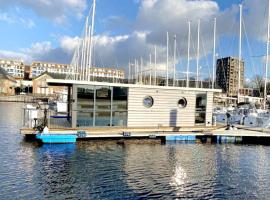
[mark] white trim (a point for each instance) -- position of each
(74, 82)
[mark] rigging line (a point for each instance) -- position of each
(221, 54)
(249, 48)
(178, 59)
(206, 60)
(194, 50)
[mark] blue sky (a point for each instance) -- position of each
(128, 29)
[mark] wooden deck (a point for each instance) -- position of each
(117, 132)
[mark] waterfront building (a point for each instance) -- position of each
(14, 68)
(40, 85)
(7, 83)
(37, 68)
(252, 92)
(227, 77)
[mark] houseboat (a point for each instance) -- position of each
(103, 104)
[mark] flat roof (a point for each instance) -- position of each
(61, 82)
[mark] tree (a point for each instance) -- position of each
(258, 83)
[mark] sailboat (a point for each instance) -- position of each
(248, 116)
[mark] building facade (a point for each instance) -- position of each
(37, 68)
(40, 85)
(7, 83)
(249, 92)
(227, 75)
(14, 68)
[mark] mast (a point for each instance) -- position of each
(240, 54)
(129, 72)
(174, 61)
(267, 58)
(136, 71)
(198, 54)
(214, 54)
(167, 66)
(83, 56)
(141, 80)
(155, 65)
(188, 61)
(150, 59)
(91, 35)
(87, 54)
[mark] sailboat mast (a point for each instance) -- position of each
(174, 61)
(167, 66)
(240, 54)
(198, 54)
(155, 65)
(141, 80)
(188, 61)
(129, 77)
(214, 54)
(150, 60)
(91, 36)
(267, 58)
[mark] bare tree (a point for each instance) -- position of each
(258, 83)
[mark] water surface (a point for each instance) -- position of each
(89, 170)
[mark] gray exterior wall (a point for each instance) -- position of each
(165, 111)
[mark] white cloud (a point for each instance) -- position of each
(12, 19)
(15, 55)
(69, 44)
(6, 18)
(58, 11)
(38, 49)
(27, 23)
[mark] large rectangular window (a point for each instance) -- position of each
(120, 98)
(119, 106)
(101, 106)
(85, 106)
(200, 111)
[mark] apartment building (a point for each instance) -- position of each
(227, 75)
(37, 68)
(14, 68)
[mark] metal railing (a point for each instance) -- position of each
(34, 118)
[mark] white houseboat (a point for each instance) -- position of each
(99, 104)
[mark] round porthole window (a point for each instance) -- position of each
(148, 101)
(182, 103)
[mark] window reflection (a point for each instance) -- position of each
(85, 97)
(84, 119)
(120, 98)
(102, 106)
(200, 113)
(103, 98)
(119, 118)
(103, 118)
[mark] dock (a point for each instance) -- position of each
(207, 134)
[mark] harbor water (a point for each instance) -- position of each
(107, 170)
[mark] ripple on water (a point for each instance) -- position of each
(106, 170)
